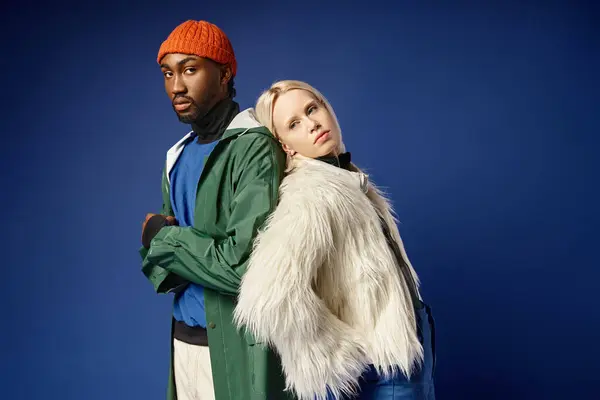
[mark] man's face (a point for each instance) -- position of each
(194, 84)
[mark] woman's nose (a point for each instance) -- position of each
(313, 125)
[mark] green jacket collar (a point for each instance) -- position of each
(243, 122)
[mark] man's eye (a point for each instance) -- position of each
(167, 74)
(190, 70)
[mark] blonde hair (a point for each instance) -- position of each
(266, 103)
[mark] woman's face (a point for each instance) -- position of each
(304, 125)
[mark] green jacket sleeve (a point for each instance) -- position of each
(166, 209)
(219, 263)
(160, 275)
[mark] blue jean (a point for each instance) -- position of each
(420, 386)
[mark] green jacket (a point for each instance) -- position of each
(237, 191)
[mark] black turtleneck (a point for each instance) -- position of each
(211, 126)
(341, 161)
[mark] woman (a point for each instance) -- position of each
(329, 285)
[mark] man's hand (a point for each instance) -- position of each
(170, 220)
(152, 224)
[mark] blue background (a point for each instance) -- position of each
(480, 120)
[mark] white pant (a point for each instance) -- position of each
(193, 373)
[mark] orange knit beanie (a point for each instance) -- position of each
(200, 38)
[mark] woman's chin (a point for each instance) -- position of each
(328, 149)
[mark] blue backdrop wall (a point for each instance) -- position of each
(480, 120)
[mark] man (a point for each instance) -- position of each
(219, 185)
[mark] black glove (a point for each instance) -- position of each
(153, 226)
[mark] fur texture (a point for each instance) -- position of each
(323, 287)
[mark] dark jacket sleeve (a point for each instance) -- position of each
(219, 263)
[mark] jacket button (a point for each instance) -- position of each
(211, 325)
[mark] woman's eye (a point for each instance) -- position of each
(311, 109)
(293, 124)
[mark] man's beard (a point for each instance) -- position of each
(196, 111)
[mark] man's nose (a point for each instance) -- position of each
(178, 85)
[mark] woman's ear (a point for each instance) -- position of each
(288, 150)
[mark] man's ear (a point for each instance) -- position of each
(226, 74)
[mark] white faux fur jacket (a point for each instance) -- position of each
(323, 287)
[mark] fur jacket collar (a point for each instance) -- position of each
(323, 287)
